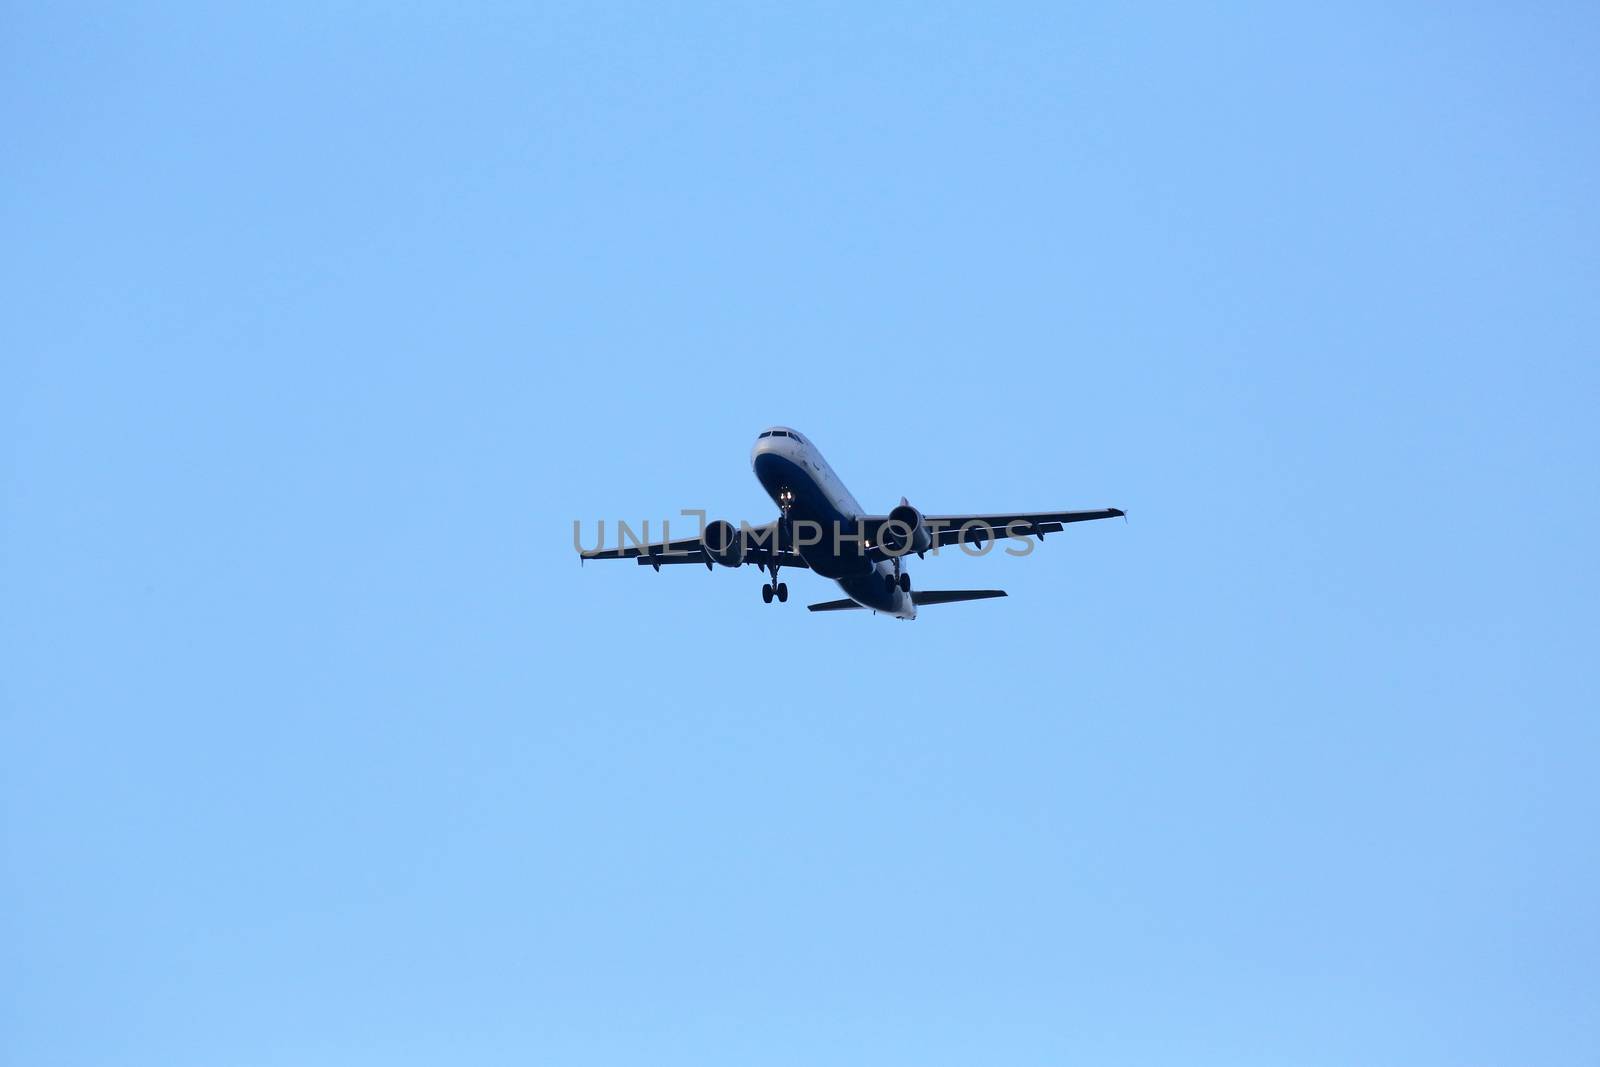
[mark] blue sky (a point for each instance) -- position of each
(317, 746)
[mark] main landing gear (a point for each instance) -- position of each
(900, 580)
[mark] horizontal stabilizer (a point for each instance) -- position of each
(833, 605)
(932, 596)
(953, 596)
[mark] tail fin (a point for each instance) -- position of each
(953, 596)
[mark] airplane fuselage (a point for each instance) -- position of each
(807, 491)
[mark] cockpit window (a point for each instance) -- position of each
(765, 433)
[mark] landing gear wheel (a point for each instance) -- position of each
(783, 592)
(766, 594)
(890, 583)
(905, 582)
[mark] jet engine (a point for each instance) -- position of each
(723, 544)
(905, 531)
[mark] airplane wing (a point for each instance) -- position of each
(692, 550)
(949, 530)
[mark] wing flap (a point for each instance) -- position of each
(970, 529)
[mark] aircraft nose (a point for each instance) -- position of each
(764, 463)
(763, 446)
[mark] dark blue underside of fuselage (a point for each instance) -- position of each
(778, 474)
(859, 578)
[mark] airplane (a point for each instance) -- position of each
(821, 528)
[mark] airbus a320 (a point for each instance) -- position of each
(821, 528)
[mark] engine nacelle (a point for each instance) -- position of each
(723, 544)
(905, 531)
